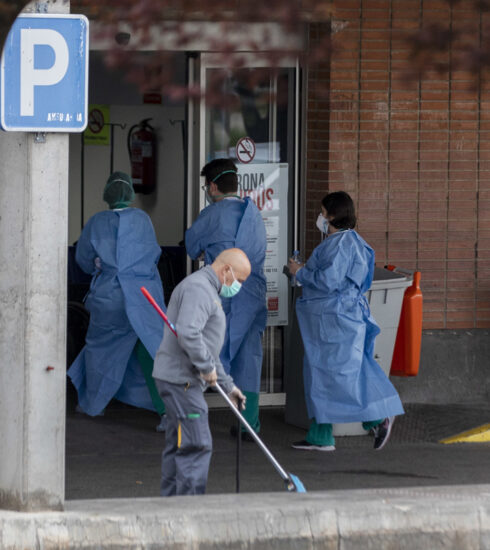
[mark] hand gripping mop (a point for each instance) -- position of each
(292, 482)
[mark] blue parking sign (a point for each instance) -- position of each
(44, 74)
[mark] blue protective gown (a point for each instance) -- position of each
(226, 224)
(107, 366)
(343, 382)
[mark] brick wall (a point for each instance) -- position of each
(415, 155)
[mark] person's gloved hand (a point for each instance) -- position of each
(294, 266)
(210, 378)
(238, 399)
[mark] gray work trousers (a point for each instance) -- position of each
(188, 443)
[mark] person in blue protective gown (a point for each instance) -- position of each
(230, 222)
(343, 382)
(118, 247)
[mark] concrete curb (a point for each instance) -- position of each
(456, 517)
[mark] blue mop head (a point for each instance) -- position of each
(298, 485)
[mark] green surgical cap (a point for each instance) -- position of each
(118, 191)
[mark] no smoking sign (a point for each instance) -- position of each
(95, 121)
(245, 150)
(97, 132)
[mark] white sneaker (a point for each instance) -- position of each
(305, 446)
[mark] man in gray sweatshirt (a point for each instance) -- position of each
(185, 365)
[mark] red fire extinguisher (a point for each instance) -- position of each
(142, 149)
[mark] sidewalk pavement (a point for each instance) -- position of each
(445, 518)
(414, 494)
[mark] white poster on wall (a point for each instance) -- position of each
(267, 186)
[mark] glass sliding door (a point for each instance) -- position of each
(253, 120)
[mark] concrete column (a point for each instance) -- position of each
(33, 261)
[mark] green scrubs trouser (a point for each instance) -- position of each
(321, 434)
(146, 362)
(251, 412)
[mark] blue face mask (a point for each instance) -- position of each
(228, 291)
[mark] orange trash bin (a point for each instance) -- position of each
(406, 354)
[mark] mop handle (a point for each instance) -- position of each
(236, 412)
(251, 431)
(152, 301)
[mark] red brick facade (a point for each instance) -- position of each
(414, 155)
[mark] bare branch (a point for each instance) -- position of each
(165, 26)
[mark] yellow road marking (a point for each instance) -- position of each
(476, 435)
(179, 436)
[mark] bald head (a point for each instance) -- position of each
(232, 261)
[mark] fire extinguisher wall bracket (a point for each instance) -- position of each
(142, 150)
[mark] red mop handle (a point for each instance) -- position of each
(152, 301)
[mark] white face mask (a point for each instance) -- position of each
(322, 223)
(209, 197)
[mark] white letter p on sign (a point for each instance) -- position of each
(29, 75)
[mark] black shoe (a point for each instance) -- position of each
(245, 435)
(382, 433)
(305, 446)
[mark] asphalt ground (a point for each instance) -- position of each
(118, 455)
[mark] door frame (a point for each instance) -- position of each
(196, 138)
